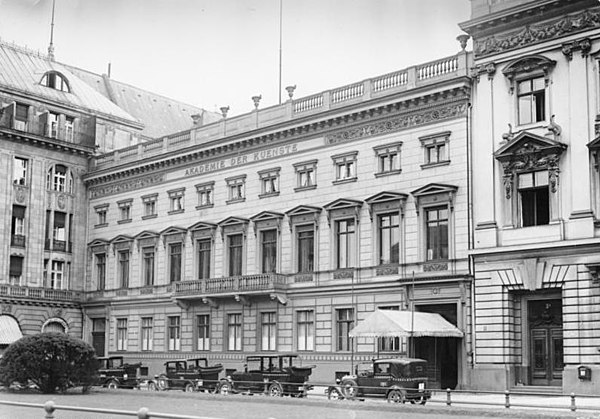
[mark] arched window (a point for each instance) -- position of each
(55, 325)
(60, 179)
(55, 80)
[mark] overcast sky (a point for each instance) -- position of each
(212, 53)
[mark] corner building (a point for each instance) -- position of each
(280, 229)
(535, 194)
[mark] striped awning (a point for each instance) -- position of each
(391, 323)
(9, 330)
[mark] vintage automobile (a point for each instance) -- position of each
(397, 379)
(193, 374)
(275, 375)
(114, 373)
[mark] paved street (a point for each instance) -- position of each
(254, 407)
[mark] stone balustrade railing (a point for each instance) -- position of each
(39, 293)
(377, 87)
(232, 284)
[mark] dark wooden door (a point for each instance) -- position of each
(546, 342)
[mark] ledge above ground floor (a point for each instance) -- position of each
(38, 295)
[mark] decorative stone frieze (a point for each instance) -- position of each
(130, 185)
(584, 45)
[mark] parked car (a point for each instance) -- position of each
(114, 373)
(193, 374)
(397, 379)
(275, 375)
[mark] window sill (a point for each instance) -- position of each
(435, 164)
(343, 181)
(149, 216)
(268, 195)
(389, 173)
(101, 225)
(235, 201)
(305, 188)
(124, 221)
(200, 207)
(179, 211)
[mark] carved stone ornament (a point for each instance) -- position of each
(6, 308)
(20, 194)
(528, 65)
(478, 70)
(534, 34)
(584, 45)
(433, 267)
(61, 201)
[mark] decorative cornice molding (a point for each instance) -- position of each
(536, 33)
(128, 185)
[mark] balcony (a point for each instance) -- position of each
(17, 240)
(58, 246)
(37, 293)
(239, 287)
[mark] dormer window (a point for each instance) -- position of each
(55, 80)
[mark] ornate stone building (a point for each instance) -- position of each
(278, 230)
(535, 194)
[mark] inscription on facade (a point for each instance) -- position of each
(130, 185)
(241, 159)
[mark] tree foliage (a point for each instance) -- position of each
(52, 361)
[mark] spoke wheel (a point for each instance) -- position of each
(275, 390)
(112, 385)
(162, 382)
(349, 389)
(395, 396)
(189, 388)
(152, 386)
(334, 394)
(225, 388)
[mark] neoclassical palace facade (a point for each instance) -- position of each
(467, 186)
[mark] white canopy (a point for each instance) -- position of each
(392, 323)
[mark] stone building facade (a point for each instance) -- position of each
(535, 194)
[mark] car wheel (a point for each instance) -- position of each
(112, 385)
(349, 389)
(162, 382)
(152, 386)
(423, 401)
(225, 388)
(189, 388)
(395, 396)
(275, 390)
(334, 394)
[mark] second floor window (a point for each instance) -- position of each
(436, 227)
(100, 271)
(235, 245)
(534, 195)
(269, 251)
(121, 334)
(146, 332)
(148, 265)
(531, 97)
(174, 333)
(20, 171)
(389, 238)
(124, 268)
(175, 262)
(345, 243)
(204, 254)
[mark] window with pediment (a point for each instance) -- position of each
(435, 208)
(146, 243)
(122, 246)
(174, 239)
(343, 216)
(304, 222)
(99, 252)
(386, 210)
(530, 174)
(529, 80)
(267, 226)
(203, 235)
(233, 233)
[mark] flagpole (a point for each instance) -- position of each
(412, 317)
(280, 42)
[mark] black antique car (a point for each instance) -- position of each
(275, 375)
(114, 373)
(397, 379)
(193, 374)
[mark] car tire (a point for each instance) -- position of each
(112, 385)
(396, 396)
(275, 390)
(152, 386)
(225, 388)
(162, 382)
(349, 389)
(189, 388)
(334, 394)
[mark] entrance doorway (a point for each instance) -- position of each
(99, 335)
(545, 342)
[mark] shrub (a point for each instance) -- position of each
(51, 361)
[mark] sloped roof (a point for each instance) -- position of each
(22, 71)
(160, 115)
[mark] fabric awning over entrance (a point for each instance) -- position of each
(392, 323)
(9, 330)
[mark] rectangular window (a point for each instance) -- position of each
(437, 232)
(69, 129)
(16, 270)
(57, 274)
(236, 188)
(345, 167)
(234, 332)
(205, 193)
(436, 153)
(59, 178)
(388, 158)
(18, 226)
(176, 200)
(269, 181)
(305, 238)
(269, 251)
(203, 329)
(306, 175)
(268, 331)
(531, 97)
(175, 262)
(235, 244)
(20, 171)
(100, 271)
(174, 332)
(204, 255)
(20, 118)
(121, 334)
(436, 148)
(148, 265)
(101, 214)
(389, 238)
(306, 330)
(535, 198)
(52, 128)
(149, 203)
(59, 231)
(345, 243)
(124, 268)
(147, 335)
(344, 323)
(124, 211)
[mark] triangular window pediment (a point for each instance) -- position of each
(232, 221)
(202, 225)
(343, 203)
(385, 197)
(266, 215)
(173, 230)
(594, 144)
(122, 239)
(98, 242)
(303, 210)
(146, 234)
(434, 188)
(527, 143)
